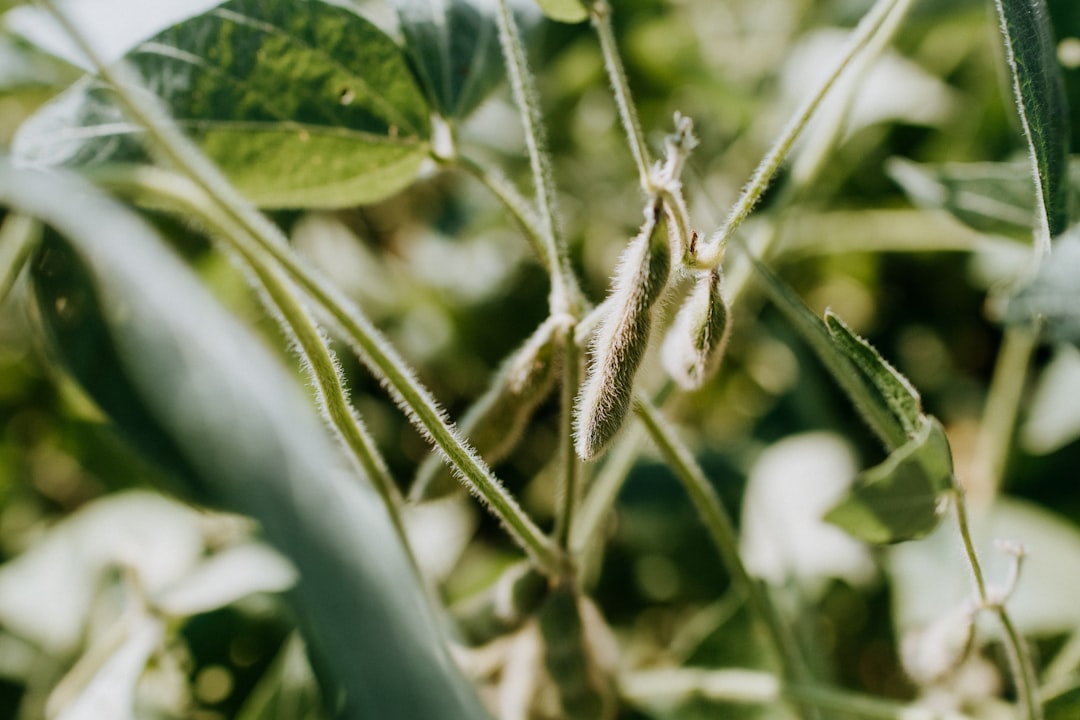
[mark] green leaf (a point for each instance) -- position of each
(454, 46)
(1053, 295)
(902, 498)
(23, 66)
(1064, 706)
(896, 391)
(567, 11)
(248, 440)
(1040, 97)
(301, 104)
(864, 396)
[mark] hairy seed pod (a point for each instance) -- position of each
(622, 337)
(695, 343)
(496, 421)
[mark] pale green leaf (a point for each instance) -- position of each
(1040, 97)
(300, 104)
(1053, 295)
(567, 11)
(902, 498)
(161, 357)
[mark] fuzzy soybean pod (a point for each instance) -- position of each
(623, 336)
(695, 343)
(497, 421)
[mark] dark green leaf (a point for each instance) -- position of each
(1053, 296)
(902, 498)
(567, 11)
(1040, 96)
(454, 46)
(1064, 706)
(246, 438)
(301, 104)
(896, 391)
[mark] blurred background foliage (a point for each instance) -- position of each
(453, 285)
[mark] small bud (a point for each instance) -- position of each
(623, 336)
(695, 343)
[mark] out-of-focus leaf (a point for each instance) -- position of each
(226, 577)
(902, 498)
(22, 66)
(454, 46)
(1040, 97)
(47, 592)
(287, 691)
(783, 538)
(102, 684)
(567, 11)
(1053, 295)
(1044, 602)
(1064, 706)
(1053, 418)
(300, 104)
(252, 441)
(98, 21)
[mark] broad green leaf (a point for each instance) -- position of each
(567, 11)
(454, 47)
(249, 441)
(902, 498)
(1053, 295)
(301, 104)
(1040, 98)
(896, 391)
(992, 198)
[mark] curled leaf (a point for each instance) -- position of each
(623, 336)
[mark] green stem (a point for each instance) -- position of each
(18, 236)
(1020, 662)
(766, 170)
(666, 686)
(513, 202)
(722, 531)
(565, 296)
(999, 415)
(600, 12)
(568, 459)
(372, 348)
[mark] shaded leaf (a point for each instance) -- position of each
(900, 499)
(1040, 97)
(454, 46)
(992, 198)
(300, 105)
(1053, 295)
(567, 11)
(249, 439)
(1064, 706)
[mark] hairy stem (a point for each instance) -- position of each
(600, 12)
(722, 531)
(570, 492)
(413, 398)
(565, 295)
(1020, 662)
(766, 170)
